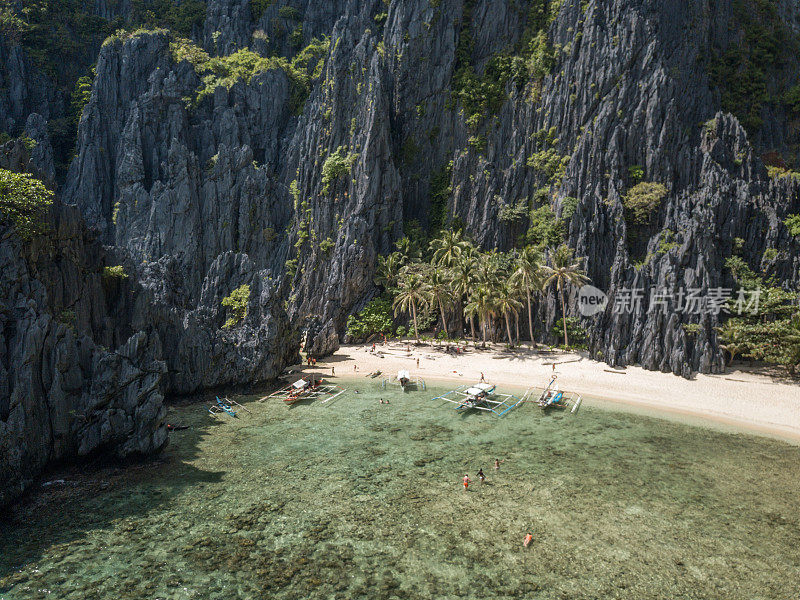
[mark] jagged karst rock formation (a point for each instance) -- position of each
(62, 394)
(629, 87)
(198, 193)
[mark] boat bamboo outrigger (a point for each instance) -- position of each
(405, 381)
(483, 396)
(554, 398)
(224, 407)
(307, 388)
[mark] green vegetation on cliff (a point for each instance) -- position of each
(245, 64)
(531, 60)
(335, 166)
(24, 201)
(757, 56)
(236, 304)
(642, 200)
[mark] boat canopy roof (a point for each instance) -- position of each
(403, 375)
(486, 387)
(300, 384)
(474, 391)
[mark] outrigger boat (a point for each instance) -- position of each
(553, 398)
(307, 388)
(405, 381)
(224, 406)
(483, 396)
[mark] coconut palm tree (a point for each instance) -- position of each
(480, 305)
(564, 269)
(410, 296)
(463, 274)
(448, 248)
(507, 303)
(438, 287)
(527, 276)
(389, 269)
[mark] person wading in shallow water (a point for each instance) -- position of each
(497, 464)
(467, 481)
(481, 476)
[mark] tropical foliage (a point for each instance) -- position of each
(768, 332)
(642, 200)
(563, 271)
(236, 304)
(489, 290)
(24, 201)
(375, 317)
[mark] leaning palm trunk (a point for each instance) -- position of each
(516, 328)
(508, 329)
(444, 323)
(414, 316)
(530, 319)
(564, 317)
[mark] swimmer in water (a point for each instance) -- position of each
(497, 464)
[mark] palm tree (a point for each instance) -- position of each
(563, 270)
(438, 288)
(463, 282)
(448, 248)
(481, 304)
(389, 269)
(409, 251)
(410, 296)
(506, 303)
(527, 276)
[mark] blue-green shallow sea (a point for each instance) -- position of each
(354, 499)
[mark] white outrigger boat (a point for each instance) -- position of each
(405, 381)
(553, 398)
(307, 388)
(483, 396)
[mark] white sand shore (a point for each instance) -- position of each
(742, 399)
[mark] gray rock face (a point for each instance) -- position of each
(23, 90)
(629, 87)
(86, 359)
(61, 394)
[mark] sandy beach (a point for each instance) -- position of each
(745, 400)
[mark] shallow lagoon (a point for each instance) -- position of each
(357, 499)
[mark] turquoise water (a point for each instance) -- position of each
(357, 499)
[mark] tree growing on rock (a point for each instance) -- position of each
(24, 201)
(236, 304)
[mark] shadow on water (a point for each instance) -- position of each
(97, 495)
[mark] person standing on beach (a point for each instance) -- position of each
(467, 481)
(333, 371)
(418, 363)
(482, 377)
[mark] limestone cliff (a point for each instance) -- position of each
(292, 166)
